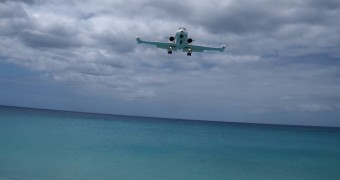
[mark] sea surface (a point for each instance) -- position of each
(45, 144)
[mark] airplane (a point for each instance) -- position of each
(181, 41)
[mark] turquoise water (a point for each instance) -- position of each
(40, 144)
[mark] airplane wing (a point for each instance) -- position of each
(162, 45)
(195, 48)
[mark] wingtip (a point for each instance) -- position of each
(223, 47)
(138, 40)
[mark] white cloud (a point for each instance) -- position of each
(314, 107)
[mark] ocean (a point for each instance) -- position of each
(45, 144)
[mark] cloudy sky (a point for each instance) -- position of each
(281, 64)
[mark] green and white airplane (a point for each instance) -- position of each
(181, 41)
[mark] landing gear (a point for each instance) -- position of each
(170, 50)
(189, 52)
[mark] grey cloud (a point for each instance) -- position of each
(13, 19)
(239, 19)
(16, 22)
(25, 1)
(47, 40)
(326, 4)
(119, 83)
(168, 9)
(254, 17)
(88, 15)
(118, 42)
(11, 10)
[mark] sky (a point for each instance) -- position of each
(281, 64)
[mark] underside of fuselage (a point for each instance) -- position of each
(181, 38)
(180, 41)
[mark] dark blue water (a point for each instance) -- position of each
(40, 144)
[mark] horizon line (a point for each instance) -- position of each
(172, 119)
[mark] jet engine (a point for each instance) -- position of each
(189, 40)
(171, 38)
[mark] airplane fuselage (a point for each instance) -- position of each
(181, 38)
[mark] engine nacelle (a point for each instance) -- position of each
(189, 40)
(171, 38)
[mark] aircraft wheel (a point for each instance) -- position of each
(169, 52)
(188, 54)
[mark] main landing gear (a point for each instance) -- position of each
(189, 52)
(170, 50)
